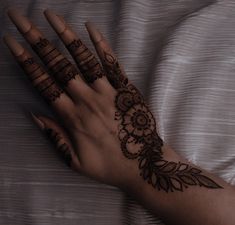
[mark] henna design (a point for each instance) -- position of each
(114, 72)
(139, 138)
(171, 176)
(62, 69)
(63, 148)
(47, 86)
(40, 45)
(86, 61)
(49, 89)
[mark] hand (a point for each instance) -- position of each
(105, 128)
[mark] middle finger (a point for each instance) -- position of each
(63, 70)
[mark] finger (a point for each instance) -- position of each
(60, 139)
(114, 70)
(45, 84)
(87, 63)
(59, 65)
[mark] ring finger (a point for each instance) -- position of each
(62, 69)
(45, 84)
(89, 66)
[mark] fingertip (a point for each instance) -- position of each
(56, 22)
(11, 12)
(38, 121)
(46, 10)
(21, 22)
(13, 45)
(95, 35)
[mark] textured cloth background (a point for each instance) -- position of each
(180, 53)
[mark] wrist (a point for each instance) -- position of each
(142, 190)
(191, 198)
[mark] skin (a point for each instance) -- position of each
(107, 131)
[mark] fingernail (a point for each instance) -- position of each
(94, 33)
(13, 45)
(21, 22)
(56, 22)
(39, 122)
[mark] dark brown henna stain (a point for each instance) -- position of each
(139, 139)
(75, 44)
(47, 87)
(86, 61)
(41, 44)
(171, 176)
(63, 70)
(63, 148)
(113, 71)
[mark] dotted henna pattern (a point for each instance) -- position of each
(140, 141)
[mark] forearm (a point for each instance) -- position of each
(193, 204)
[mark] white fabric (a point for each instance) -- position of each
(180, 53)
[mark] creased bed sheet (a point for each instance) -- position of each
(180, 53)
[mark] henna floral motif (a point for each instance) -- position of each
(139, 139)
(114, 72)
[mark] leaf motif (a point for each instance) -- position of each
(109, 58)
(160, 163)
(195, 171)
(182, 167)
(163, 183)
(206, 181)
(169, 167)
(187, 179)
(146, 174)
(154, 179)
(176, 184)
(143, 162)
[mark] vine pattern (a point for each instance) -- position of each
(139, 138)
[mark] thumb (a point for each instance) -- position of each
(59, 137)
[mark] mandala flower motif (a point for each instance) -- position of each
(137, 98)
(124, 100)
(138, 121)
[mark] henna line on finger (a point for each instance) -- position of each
(35, 78)
(62, 68)
(29, 61)
(46, 63)
(32, 72)
(44, 56)
(91, 70)
(44, 89)
(44, 83)
(59, 63)
(113, 70)
(63, 148)
(67, 74)
(87, 60)
(78, 55)
(42, 43)
(49, 94)
(75, 44)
